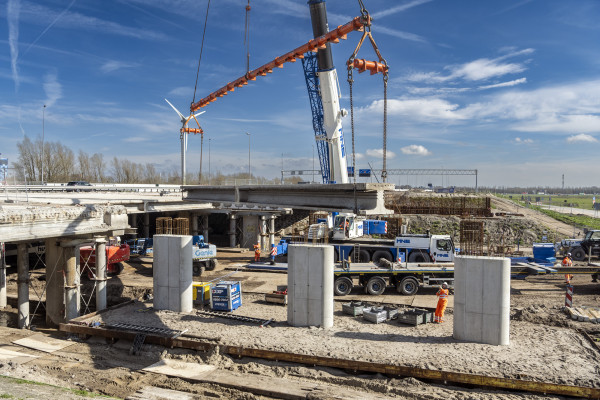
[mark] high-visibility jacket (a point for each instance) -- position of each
(443, 294)
(566, 262)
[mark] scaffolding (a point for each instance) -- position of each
(471, 237)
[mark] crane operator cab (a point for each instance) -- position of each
(347, 227)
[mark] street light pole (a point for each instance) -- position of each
(249, 173)
(43, 131)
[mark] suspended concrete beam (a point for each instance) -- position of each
(369, 196)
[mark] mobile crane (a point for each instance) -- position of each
(324, 86)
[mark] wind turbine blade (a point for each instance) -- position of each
(176, 110)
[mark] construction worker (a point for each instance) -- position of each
(273, 253)
(567, 262)
(256, 252)
(442, 295)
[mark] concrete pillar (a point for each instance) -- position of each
(310, 285)
(2, 277)
(55, 311)
(23, 285)
(482, 299)
(205, 228)
(263, 233)
(271, 231)
(146, 224)
(172, 269)
(250, 234)
(194, 218)
(100, 274)
(71, 284)
(232, 227)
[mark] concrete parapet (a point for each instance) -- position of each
(482, 299)
(310, 285)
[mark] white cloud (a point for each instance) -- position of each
(523, 141)
(505, 84)
(13, 9)
(422, 108)
(379, 153)
(416, 150)
(52, 88)
(397, 9)
(399, 34)
(582, 137)
(136, 139)
(114, 65)
(181, 91)
(477, 70)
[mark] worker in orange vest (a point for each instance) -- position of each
(256, 252)
(567, 262)
(442, 295)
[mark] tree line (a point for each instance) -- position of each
(60, 164)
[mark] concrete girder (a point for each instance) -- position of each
(369, 196)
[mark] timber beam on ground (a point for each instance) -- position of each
(447, 377)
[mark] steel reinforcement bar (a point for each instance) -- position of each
(447, 377)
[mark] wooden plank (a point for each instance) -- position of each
(156, 393)
(43, 343)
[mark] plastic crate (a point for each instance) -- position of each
(375, 314)
(353, 308)
(412, 317)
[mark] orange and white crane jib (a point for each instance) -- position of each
(442, 295)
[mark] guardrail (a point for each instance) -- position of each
(140, 188)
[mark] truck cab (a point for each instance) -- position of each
(347, 226)
(425, 248)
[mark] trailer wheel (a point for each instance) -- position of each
(578, 254)
(376, 286)
(342, 286)
(118, 268)
(379, 254)
(419, 257)
(198, 269)
(407, 286)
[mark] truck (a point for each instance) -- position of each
(580, 248)
(116, 254)
(360, 240)
(204, 255)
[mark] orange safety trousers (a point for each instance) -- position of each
(440, 309)
(257, 255)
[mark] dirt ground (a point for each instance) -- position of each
(544, 344)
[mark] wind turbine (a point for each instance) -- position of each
(183, 136)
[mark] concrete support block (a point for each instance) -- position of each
(482, 299)
(173, 272)
(310, 285)
(71, 286)
(250, 234)
(23, 285)
(100, 274)
(55, 312)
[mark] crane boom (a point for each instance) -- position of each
(357, 24)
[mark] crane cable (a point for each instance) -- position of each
(382, 67)
(201, 48)
(247, 37)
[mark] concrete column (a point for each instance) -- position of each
(146, 224)
(194, 218)
(271, 231)
(23, 285)
(55, 311)
(205, 227)
(310, 285)
(263, 233)
(232, 227)
(2, 277)
(71, 282)
(100, 274)
(172, 281)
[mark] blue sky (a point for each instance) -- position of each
(511, 88)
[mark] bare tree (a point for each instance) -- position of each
(84, 165)
(97, 167)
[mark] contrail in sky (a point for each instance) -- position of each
(49, 26)
(12, 17)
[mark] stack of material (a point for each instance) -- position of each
(354, 308)
(375, 314)
(584, 314)
(415, 317)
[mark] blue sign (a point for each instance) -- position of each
(364, 173)
(351, 171)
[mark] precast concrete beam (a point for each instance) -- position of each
(369, 196)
